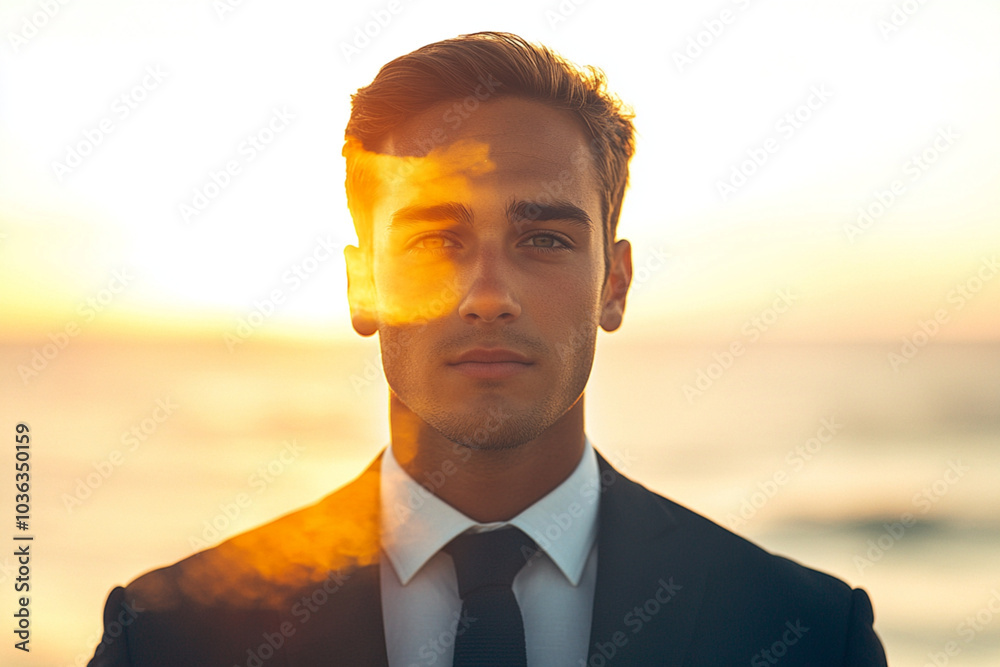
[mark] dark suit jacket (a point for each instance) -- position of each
(673, 588)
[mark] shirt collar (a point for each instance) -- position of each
(415, 523)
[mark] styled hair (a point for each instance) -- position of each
(504, 65)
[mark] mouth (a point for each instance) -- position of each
(490, 363)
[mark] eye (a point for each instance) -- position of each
(547, 242)
(433, 243)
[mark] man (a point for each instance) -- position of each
(485, 177)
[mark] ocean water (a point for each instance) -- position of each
(886, 477)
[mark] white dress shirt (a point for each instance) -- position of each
(555, 590)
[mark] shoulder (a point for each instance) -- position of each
(721, 598)
(209, 607)
(734, 558)
(783, 604)
(263, 567)
(735, 568)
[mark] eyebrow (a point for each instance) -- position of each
(517, 211)
(531, 211)
(411, 215)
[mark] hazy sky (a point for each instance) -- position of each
(765, 130)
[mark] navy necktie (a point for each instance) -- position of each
(491, 630)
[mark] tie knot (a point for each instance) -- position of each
(491, 558)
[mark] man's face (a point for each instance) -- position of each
(486, 278)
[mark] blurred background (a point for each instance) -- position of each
(811, 351)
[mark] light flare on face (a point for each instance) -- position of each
(412, 290)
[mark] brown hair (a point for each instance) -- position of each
(504, 64)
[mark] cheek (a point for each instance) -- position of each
(410, 293)
(400, 347)
(567, 312)
(576, 287)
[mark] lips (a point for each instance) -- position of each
(490, 363)
(490, 356)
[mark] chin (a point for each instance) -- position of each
(495, 429)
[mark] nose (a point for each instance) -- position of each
(491, 294)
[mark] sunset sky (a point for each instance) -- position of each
(764, 129)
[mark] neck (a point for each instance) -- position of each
(487, 485)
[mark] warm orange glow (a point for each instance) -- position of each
(265, 568)
(423, 290)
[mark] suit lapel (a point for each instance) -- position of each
(646, 598)
(648, 590)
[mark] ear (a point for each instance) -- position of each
(616, 286)
(361, 290)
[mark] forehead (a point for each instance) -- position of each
(508, 121)
(507, 143)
